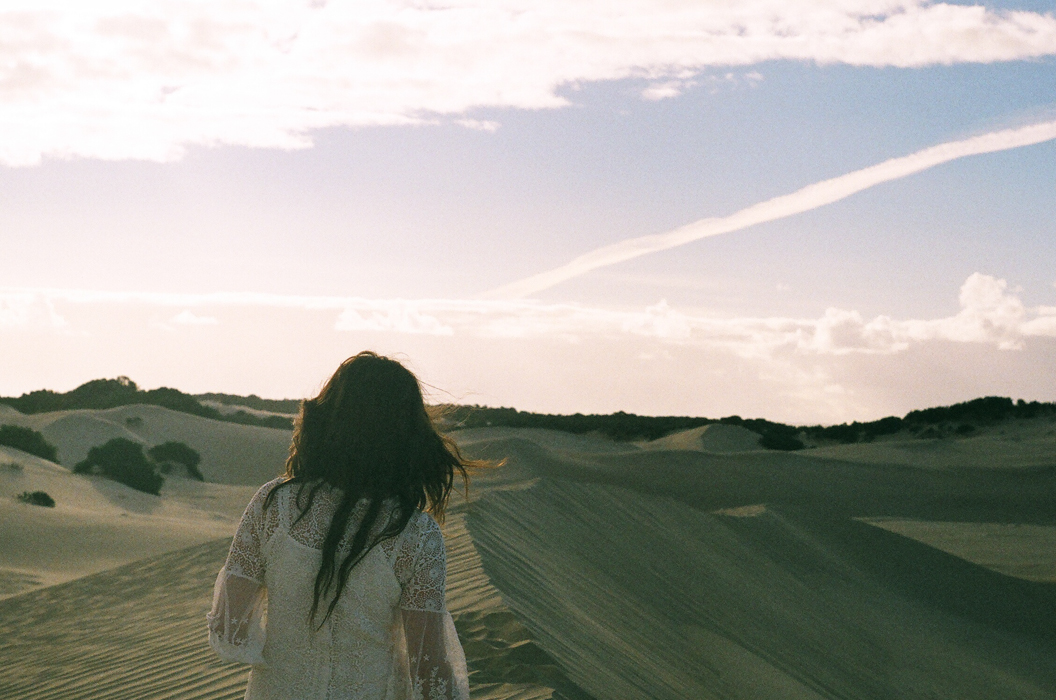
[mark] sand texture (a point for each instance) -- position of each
(689, 567)
(709, 438)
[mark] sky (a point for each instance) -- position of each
(811, 211)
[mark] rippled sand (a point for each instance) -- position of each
(695, 567)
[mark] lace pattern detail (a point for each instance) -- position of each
(421, 565)
(246, 557)
(311, 529)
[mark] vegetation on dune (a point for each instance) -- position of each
(123, 461)
(169, 454)
(962, 419)
(37, 498)
(847, 433)
(112, 393)
(126, 462)
(959, 419)
(618, 426)
(289, 406)
(985, 411)
(29, 441)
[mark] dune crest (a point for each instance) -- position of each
(716, 437)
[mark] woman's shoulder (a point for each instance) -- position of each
(261, 509)
(422, 528)
(271, 485)
(264, 491)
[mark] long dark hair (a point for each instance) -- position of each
(368, 433)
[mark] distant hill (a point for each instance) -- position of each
(287, 406)
(961, 419)
(122, 391)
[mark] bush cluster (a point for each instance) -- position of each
(126, 462)
(617, 426)
(29, 441)
(37, 498)
(169, 454)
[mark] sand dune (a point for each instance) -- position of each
(138, 631)
(647, 598)
(709, 438)
(231, 453)
(695, 566)
(1021, 444)
(96, 523)
(805, 479)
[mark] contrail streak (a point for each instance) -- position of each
(810, 197)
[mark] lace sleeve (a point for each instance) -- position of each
(423, 569)
(237, 619)
(435, 662)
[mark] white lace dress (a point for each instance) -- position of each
(390, 636)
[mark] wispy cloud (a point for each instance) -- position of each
(399, 317)
(989, 314)
(20, 310)
(810, 197)
(134, 79)
(189, 318)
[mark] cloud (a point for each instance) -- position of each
(398, 317)
(139, 79)
(490, 126)
(27, 310)
(189, 318)
(661, 91)
(989, 314)
(805, 199)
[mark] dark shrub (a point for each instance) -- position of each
(985, 411)
(965, 429)
(37, 498)
(123, 461)
(845, 433)
(780, 441)
(169, 453)
(930, 433)
(29, 441)
(884, 426)
(243, 418)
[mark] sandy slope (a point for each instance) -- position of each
(231, 453)
(138, 631)
(96, 523)
(643, 597)
(619, 571)
(590, 569)
(709, 438)
(1022, 444)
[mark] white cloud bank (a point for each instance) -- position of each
(989, 314)
(137, 79)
